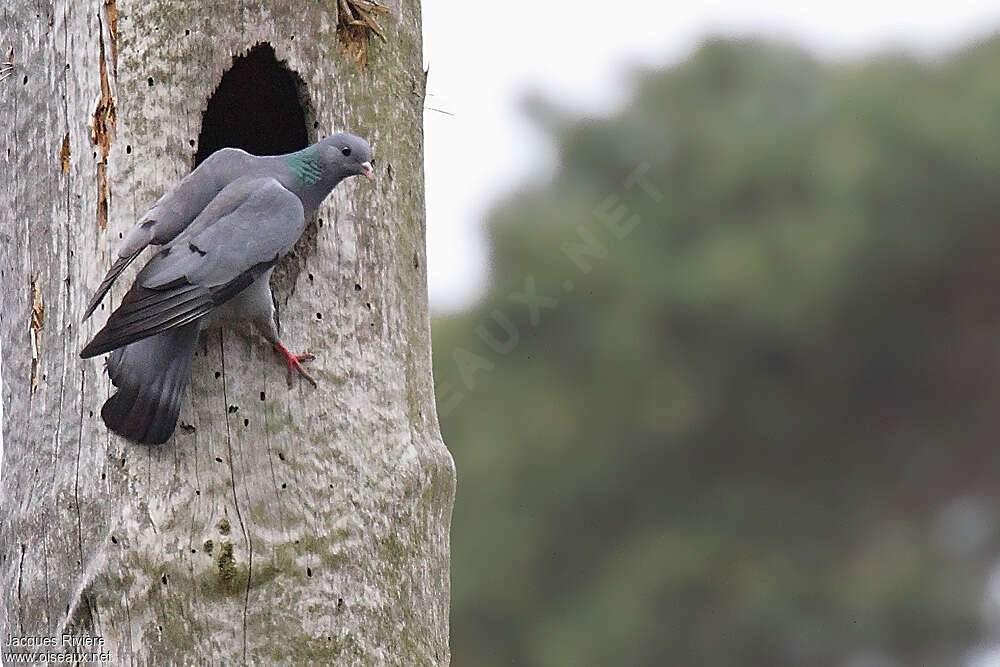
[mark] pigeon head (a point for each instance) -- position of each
(313, 171)
(346, 155)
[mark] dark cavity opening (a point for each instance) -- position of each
(258, 106)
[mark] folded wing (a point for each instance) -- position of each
(242, 233)
(173, 212)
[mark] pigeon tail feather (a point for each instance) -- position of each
(151, 375)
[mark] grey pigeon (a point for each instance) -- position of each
(223, 228)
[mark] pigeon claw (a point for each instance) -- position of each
(294, 363)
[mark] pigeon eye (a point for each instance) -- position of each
(346, 150)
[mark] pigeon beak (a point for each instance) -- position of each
(366, 169)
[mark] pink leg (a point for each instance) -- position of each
(294, 362)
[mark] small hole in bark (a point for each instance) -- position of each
(284, 486)
(217, 375)
(149, 81)
(187, 32)
(114, 540)
(91, 413)
(218, 460)
(128, 149)
(309, 572)
(357, 287)
(368, 305)
(164, 579)
(281, 456)
(262, 396)
(319, 316)
(316, 125)
(310, 277)
(234, 409)
(320, 222)
(104, 476)
(246, 422)
(25, 79)
(191, 143)
(197, 492)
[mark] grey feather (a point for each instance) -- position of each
(175, 210)
(223, 228)
(180, 205)
(240, 234)
(151, 376)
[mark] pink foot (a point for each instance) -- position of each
(294, 363)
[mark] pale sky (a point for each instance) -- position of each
(484, 56)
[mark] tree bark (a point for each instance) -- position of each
(302, 526)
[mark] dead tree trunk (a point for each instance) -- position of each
(302, 526)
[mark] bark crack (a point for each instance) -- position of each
(64, 154)
(68, 227)
(102, 130)
(111, 10)
(128, 620)
(270, 459)
(59, 410)
(45, 569)
(236, 500)
(76, 473)
(37, 322)
(16, 172)
(20, 594)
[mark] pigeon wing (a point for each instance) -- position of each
(242, 233)
(174, 211)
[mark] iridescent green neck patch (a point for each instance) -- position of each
(305, 165)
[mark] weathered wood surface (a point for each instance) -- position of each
(302, 526)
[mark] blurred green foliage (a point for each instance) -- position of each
(731, 434)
